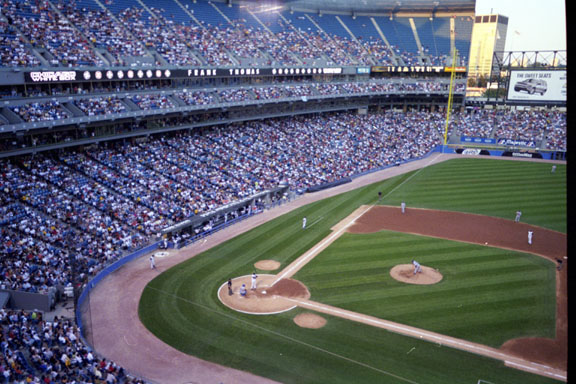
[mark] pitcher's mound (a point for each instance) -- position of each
(405, 274)
(267, 265)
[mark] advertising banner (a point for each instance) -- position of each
(532, 85)
(477, 140)
(516, 143)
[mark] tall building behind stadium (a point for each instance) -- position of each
(488, 38)
(129, 124)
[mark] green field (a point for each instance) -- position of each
(487, 295)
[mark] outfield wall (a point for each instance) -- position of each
(504, 152)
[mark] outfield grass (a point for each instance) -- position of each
(490, 187)
(503, 294)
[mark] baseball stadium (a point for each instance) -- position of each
(289, 191)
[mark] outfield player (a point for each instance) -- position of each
(518, 214)
(403, 207)
(304, 223)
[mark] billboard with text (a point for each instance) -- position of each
(532, 85)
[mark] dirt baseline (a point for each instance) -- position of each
(496, 232)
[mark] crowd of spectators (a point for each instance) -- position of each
(556, 133)
(13, 52)
(41, 111)
(155, 32)
(197, 97)
(546, 128)
(537, 127)
(48, 30)
(104, 105)
(101, 105)
(75, 34)
(152, 101)
(36, 350)
(103, 31)
(46, 225)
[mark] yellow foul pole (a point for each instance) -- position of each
(450, 91)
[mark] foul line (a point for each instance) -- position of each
(315, 222)
(246, 322)
(304, 259)
(431, 336)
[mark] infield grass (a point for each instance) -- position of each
(487, 295)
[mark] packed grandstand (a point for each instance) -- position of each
(122, 118)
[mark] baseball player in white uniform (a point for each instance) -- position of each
(254, 277)
(530, 234)
(518, 214)
(152, 262)
(417, 267)
(403, 207)
(304, 223)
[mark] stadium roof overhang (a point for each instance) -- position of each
(367, 7)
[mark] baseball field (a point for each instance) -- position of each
(498, 295)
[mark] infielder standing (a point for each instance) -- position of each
(530, 234)
(152, 262)
(254, 277)
(403, 207)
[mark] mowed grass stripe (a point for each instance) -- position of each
(379, 282)
(347, 295)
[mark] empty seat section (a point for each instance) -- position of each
(171, 11)
(299, 21)
(238, 14)
(405, 35)
(206, 14)
(434, 37)
(117, 6)
(361, 27)
(88, 4)
(331, 25)
(272, 20)
(463, 28)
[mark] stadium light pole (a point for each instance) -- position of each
(449, 107)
